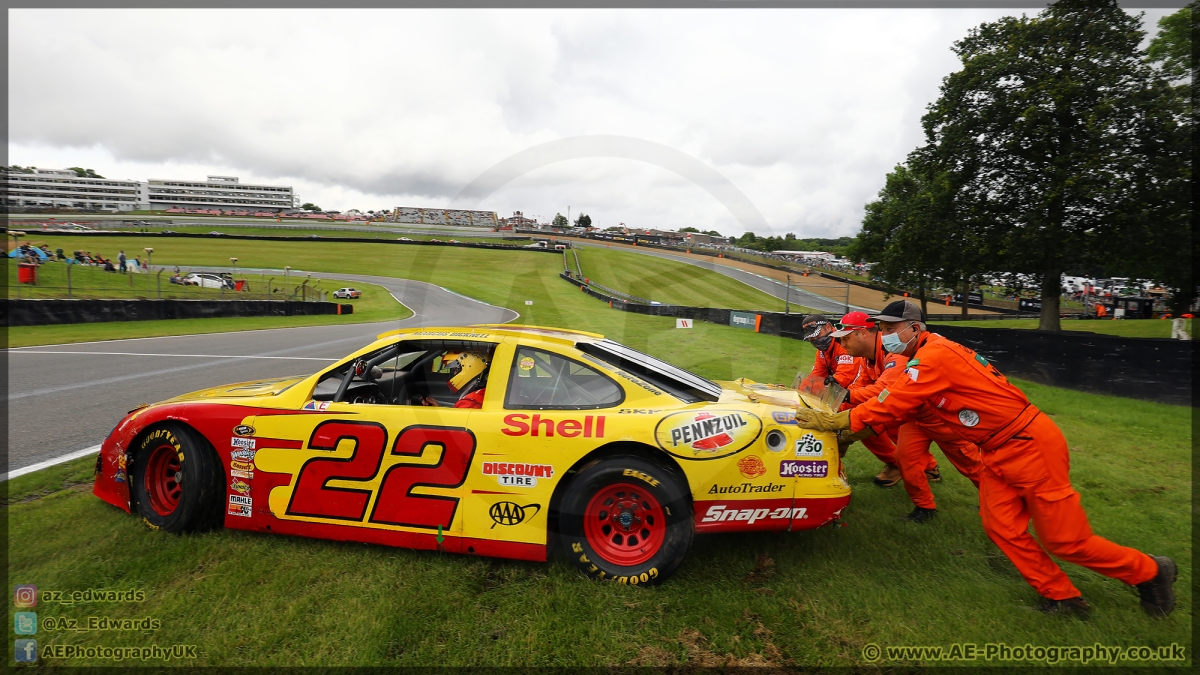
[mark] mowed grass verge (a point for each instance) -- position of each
(670, 282)
(814, 598)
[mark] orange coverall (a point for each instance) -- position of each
(913, 437)
(1025, 460)
(849, 370)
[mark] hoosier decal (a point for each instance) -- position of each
(707, 434)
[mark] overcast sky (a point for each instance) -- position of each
(803, 110)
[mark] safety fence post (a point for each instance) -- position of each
(158, 279)
(69, 280)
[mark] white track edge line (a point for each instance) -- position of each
(49, 463)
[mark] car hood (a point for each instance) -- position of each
(743, 389)
(270, 387)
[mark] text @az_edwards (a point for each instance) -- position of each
(999, 651)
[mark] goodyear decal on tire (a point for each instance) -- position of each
(708, 434)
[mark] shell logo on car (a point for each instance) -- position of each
(625, 456)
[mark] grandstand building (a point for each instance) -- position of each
(422, 216)
(60, 188)
(216, 192)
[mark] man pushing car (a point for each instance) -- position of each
(1025, 474)
(859, 335)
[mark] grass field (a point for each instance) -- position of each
(670, 282)
(808, 599)
(1140, 328)
(376, 304)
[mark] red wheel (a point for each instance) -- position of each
(625, 524)
(626, 519)
(177, 480)
(163, 479)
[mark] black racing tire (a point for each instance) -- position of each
(626, 519)
(178, 483)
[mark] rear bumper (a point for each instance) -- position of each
(804, 513)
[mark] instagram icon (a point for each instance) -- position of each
(25, 596)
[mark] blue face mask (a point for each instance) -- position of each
(892, 343)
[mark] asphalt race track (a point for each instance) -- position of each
(764, 284)
(66, 398)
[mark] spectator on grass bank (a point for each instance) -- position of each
(121, 259)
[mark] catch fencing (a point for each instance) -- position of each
(58, 311)
(1150, 369)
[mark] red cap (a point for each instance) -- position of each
(852, 322)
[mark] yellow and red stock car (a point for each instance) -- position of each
(489, 440)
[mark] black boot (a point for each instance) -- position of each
(1076, 606)
(920, 515)
(1158, 596)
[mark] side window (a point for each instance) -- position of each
(541, 380)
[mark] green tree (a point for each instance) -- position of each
(309, 206)
(1171, 49)
(687, 229)
(584, 220)
(1038, 131)
(559, 220)
(84, 173)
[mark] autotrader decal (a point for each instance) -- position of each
(745, 488)
(707, 434)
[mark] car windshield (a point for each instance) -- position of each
(681, 384)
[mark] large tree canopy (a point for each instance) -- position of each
(1056, 146)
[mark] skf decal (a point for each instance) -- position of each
(803, 468)
(520, 424)
(745, 488)
(721, 512)
(241, 486)
(242, 443)
(809, 446)
(784, 417)
(707, 435)
(511, 513)
(511, 474)
(751, 466)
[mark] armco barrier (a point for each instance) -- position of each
(42, 312)
(1150, 369)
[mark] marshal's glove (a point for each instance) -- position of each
(822, 421)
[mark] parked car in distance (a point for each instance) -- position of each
(350, 293)
(207, 281)
(404, 239)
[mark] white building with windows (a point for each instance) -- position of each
(220, 192)
(61, 188)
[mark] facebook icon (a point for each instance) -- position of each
(26, 651)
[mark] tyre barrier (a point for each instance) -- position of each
(1149, 369)
(44, 312)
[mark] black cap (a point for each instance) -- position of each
(900, 310)
(811, 325)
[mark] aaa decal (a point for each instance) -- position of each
(707, 435)
(511, 513)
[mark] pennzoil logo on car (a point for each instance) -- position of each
(243, 430)
(516, 474)
(707, 434)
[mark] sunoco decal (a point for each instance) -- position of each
(708, 434)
